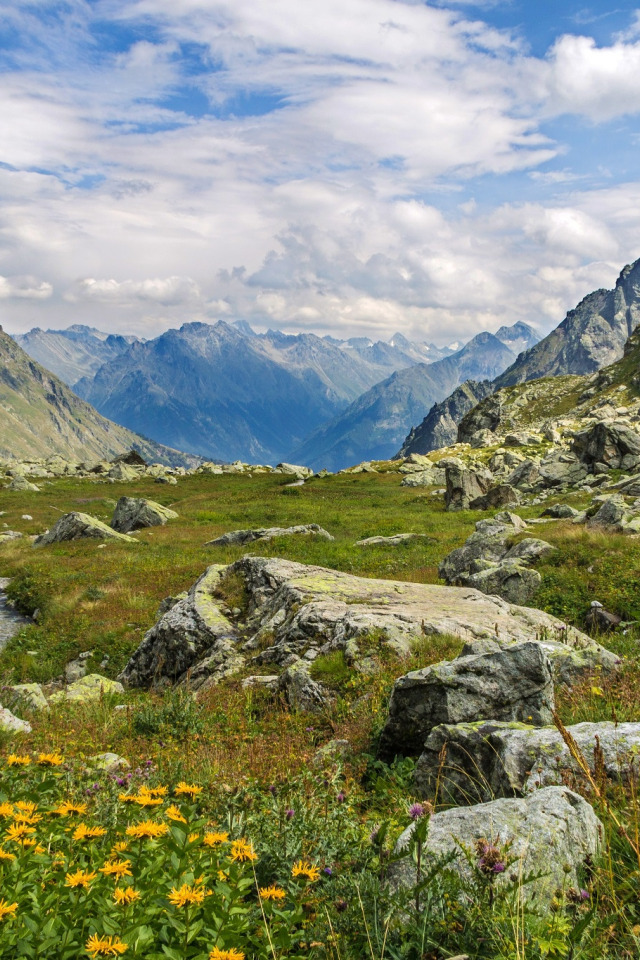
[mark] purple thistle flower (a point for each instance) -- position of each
(341, 906)
(290, 814)
(272, 790)
(328, 871)
(341, 797)
(416, 810)
(498, 867)
(585, 895)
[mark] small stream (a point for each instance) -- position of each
(10, 620)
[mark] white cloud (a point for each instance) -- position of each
(24, 288)
(168, 292)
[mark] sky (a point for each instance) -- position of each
(342, 167)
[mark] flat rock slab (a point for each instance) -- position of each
(552, 834)
(12, 724)
(10, 620)
(292, 609)
(92, 687)
(79, 526)
(241, 537)
(493, 759)
(135, 513)
(393, 541)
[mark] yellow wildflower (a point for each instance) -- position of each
(231, 954)
(120, 846)
(126, 896)
(80, 878)
(83, 832)
(146, 800)
(222, 876)
(117, 868)
(15, 760)
(27, 818)
(19, 831)
(27, 807)
(50, 759)
(272, 893)
(193, 837)
(173, 812)
(242, 850)
(68, 809)
(155, 791)
(306, 870)
(5, 855)
(7, 909)
(105, 946)
(214, 839)
(6, 809)
(147, 830)
(186, 895)
(187, 790)
(128, 797)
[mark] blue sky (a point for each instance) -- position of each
(352, 167)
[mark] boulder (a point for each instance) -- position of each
(615, 515)
(509, 579)
(502, 495)
(489, 543)
(570, 664)
(463, 483)
(554, 834)
(562, 469)
(123, 473)
(7, 535)
(22, 484)
(514, 683)
(599, 620)
(561, 511)
(482, 761)
(86, 689)
(393, 541)
(525, 475)
(301, 691)
(9, 723)
(134, 513)
(78, 526)
(110, 763)
(432, 477)
(30, 695)
(529, 550)
(293, 470)
(607, 442)
(183, 636)
(242, 537)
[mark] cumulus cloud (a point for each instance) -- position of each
(24, 288)
(168, 291)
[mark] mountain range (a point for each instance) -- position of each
(40, 416)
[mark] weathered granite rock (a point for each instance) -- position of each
(502, 495)
(529, 550)
(607, 442)
(241, 537)
(222, 660)
(559, 469)
(392, 541)
(599, 620)
(293, 470)
(12, 724)
(489, 542)
(182, 637)
(463, 483)
(525, 475)
(496, 759)
(76, 669)
(514, 683)
(301, 691)
(22, 484)
(30, 694)
(7, 535)
(509, 579)
(91, 687)
(553, 832)
(123, 473)
(616, 515)
(133, 513)
(108, 763)
(78, 526)
(561, 511)
(433, 477)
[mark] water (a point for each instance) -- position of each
(10, 620)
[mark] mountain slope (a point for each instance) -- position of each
(591, 336)
(374, 426)
(440, 426)
(225, 392)
(40, 416)
(74, 353)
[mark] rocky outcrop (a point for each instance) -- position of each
(510, 684)
(616, 516)
(292, 611)
(440, 426)
(135, 513)
(612, 443)
(241, 537)
(551, 834)
(464, 484)
(477, 762)
(80, 526)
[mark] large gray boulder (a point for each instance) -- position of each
(135, 513)
(182, 637)
(511, 684)
(488, 543)
(21, 484)
(301, 691)
(292, 610)
(463, 483)
(241, 537)
(570, 663)
(79, 526)
(9, 723)
(502, 495)
(509, 579)
(608, 442)
(482, 761)
(553, 833)
(525, 475)
(616, 516)
(561, 469)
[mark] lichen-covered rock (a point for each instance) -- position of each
(108, 763)
(29, 694)
(482, 761)
(293, 470)
(79, 526)
(570, 664)
(502, 495)
(615, 515)
(508, 579)
(242, 537)
(560, 469)
(561, 511)
(91, 687)
(135, 513)
(301, 691)
(607, 442)
(393, 541)
(489, 542)
(7, 535)
(9, 723)
(514, 683)
(553, 832)
(22, 484)
(463, 483)
(182, 637)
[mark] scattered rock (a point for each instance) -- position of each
(302, 692)
(91, 687)
(554, 832)
(514, 683)
(133, 513)
(502, 495)
(483, 761)
(12, 724)
(609, 443)
(599, 620)
(241, 537)
(108, 763)
(30, 695)
(22, 484)
(76, 669)
(7, 535)
(392, 541)
(464, 484)
(561, 511)
(78, 526)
